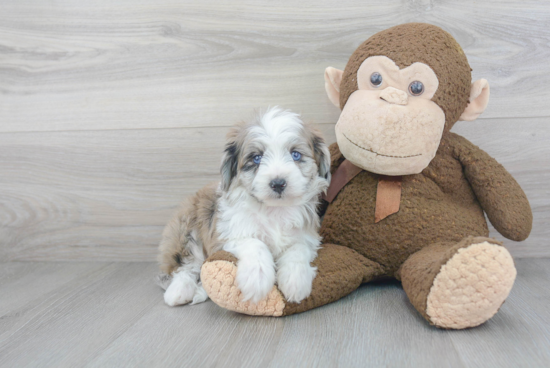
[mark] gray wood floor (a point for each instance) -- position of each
(75, 314)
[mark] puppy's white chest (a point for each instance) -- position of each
(277, 228)
(278, 236)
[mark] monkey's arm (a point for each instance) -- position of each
(498, 192)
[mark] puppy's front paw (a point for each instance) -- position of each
(294, 281)
(255, 279)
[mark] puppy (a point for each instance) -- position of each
(264, 212)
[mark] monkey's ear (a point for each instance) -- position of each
(333, 78)
(479, 98)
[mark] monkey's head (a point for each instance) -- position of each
(401, 91)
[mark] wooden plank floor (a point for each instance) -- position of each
(74, 314)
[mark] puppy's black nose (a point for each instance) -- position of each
(278, 185)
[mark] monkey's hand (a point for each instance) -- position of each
(498, 192)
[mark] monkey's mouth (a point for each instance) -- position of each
(376, 153)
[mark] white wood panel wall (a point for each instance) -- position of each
(112, 112)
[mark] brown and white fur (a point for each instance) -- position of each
(264, 214)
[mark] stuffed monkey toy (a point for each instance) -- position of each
(408, 197)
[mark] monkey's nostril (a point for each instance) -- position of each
(278, 185)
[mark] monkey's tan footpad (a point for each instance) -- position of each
(218, 279)
(471, 286)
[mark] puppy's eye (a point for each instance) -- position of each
(416, 88)
(376, 79)
(296, 155)
(257, 159)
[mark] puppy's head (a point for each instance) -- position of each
(277, 159)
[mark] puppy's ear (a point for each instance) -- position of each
(230, 160)
(321, 154)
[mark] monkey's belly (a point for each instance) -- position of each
(422, 220)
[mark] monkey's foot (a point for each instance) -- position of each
(471, 286)
(218, 275)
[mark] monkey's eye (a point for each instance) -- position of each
(257, 159)
(296, 155)
(376, 79)
(416, 88)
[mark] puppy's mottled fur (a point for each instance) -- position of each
(264, 212)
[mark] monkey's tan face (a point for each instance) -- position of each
(390, 125)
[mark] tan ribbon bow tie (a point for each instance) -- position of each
(388, 197)
(388, 193)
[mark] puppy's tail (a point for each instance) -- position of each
(174, 246)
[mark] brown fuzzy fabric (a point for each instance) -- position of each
(419, 271)
(340, 271)
(437, 205)
(408, 43)
(499, 194)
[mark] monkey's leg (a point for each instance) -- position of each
(459, 285)
(340, 271)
